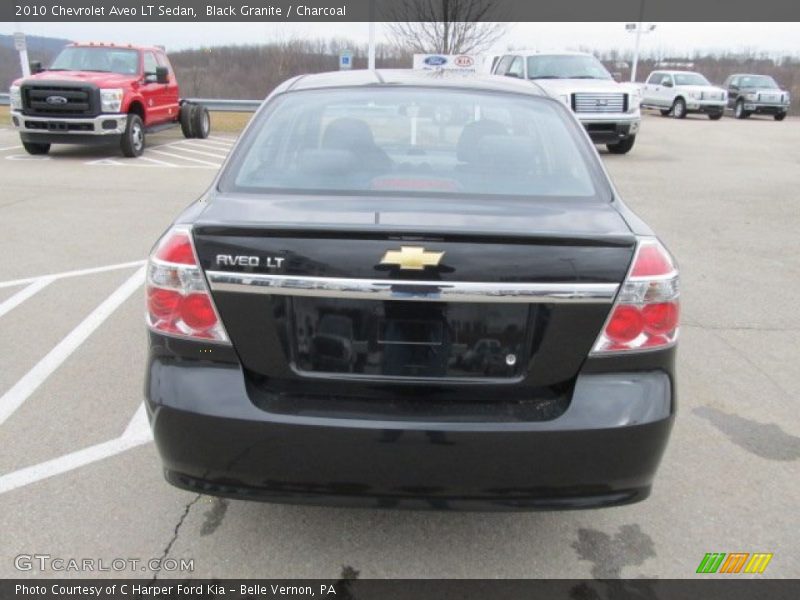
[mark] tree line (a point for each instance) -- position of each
(252, 71)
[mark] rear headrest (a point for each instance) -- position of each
(327, 163)
(348, 134)
(472, 135)
(505, 152)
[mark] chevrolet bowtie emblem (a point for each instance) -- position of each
(411, 258)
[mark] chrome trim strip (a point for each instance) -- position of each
(416, 291)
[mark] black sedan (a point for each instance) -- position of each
(412, 289)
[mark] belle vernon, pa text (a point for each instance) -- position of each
(176, 10)
(188, 590)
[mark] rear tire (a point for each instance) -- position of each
(622, 146)
(186, 120)
(201, 122)
(739, 112)
(715, 116)
(779, 117)
(679, 108)
(36, 148)
(132, 143)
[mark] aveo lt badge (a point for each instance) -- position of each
(411, 258)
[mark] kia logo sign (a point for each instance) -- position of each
(435, 61)
(56, 100)
(464, 61)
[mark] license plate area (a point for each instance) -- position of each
(409, 339)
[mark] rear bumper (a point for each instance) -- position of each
(603, 451)
(104, 128)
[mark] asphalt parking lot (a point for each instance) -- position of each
(79, 476)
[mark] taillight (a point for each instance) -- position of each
(645, 315)
(178, 300)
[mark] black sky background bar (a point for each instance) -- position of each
(359, 10)
(698, 588)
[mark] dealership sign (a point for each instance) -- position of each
(464, 63)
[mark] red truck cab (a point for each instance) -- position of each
(102, 94)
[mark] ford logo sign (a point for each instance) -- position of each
(56, 100)
(435, 61)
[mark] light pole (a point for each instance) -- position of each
(371, 49)
(638, 28)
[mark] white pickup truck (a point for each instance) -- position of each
(679, 93)
(608, 110)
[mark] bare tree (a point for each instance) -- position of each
(444, 26)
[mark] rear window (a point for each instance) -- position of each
(413, 141)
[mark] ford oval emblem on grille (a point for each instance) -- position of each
(56, 100)
(601, 102)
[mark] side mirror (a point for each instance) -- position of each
(162, 75)
(515, 75)
(667, 84)
(617, 76)
(36, 67)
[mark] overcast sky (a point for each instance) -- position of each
(669, 38)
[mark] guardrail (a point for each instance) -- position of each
(221, 104)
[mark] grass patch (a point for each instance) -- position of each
(229, 122)
(4, 118)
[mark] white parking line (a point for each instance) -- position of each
(136, 433)
(197, 160)
(25, 293)
(224, 151)
(10, 148)
(30, 382)
(76, 273)
(182, 147)
(220, 145)
(222, 139)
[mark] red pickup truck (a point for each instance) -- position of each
(102, 94)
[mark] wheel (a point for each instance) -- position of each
(186, 120)
(679, 108)
(664, 112)
(779, 116)
(715, 116)
(132, 143)
(739, 112)
(36, 148)
(622, 146)
(201, 122)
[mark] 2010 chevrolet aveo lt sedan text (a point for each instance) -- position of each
(417, 290)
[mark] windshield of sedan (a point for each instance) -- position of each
(101, 59)
(690, 79)
(413, 141)
(566, 66)
(758, 81)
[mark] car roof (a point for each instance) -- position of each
(113, 45)
(531, 52)
(412, 78)
(676, 71)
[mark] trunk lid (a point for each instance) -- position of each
(402, 335)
